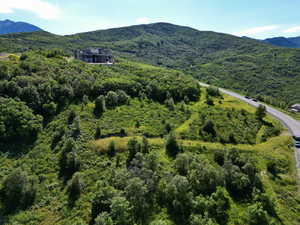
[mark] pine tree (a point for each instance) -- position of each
(74, 188)
(260, 112)
(100, 106)
(145, 145)
(98, 133)
(111, 149)
(172, 147)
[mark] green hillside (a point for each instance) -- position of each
(135, 144)
(246, 65)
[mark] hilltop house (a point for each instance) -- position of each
(95, 55)
(294, 108)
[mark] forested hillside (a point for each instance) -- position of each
(246, 65)
(135, 144)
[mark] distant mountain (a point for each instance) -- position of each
(8, 26)
(293, 42)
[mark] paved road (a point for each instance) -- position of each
(292, 124)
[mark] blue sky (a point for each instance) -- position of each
(255, 18)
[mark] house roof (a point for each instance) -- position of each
(295, 106)
(95, 51)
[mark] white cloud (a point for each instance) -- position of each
(292, 30)
(143, 20)
(256, 30)
(42, 8)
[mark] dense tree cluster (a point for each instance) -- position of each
(17, 123)
(197, 192)
(18, 191)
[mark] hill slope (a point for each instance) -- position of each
(8, 26)
(243, 64)
(135, 144)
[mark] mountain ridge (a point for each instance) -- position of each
(9, 26)
(290, 42)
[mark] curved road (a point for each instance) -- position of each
(292, 124)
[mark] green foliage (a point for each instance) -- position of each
(74, 188)
(241, 176)
(133, 147)
(213, 92)
(145, 147)
(98, 133)
(256, 215)
(209, 128)
(226, 126)
(18, 191)
(260, 112)
(172, 147)
(199, 220)
(111, 149)
(99, 105)
(179, 197)
(102, 201)
(137, 193)
(69, 162)
(209, 101)
(183, 163)
(71, 117)
(103, 219)
(204, 178)
(219, 157)
(120, 211)
(17, 123)
(220, 59)
(141, 185)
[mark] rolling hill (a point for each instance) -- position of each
(246, 65)
(8, 26)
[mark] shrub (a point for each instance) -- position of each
(209, 128)
(17, 122)
(102, 201)
(104, 219)
(111, 99)
(213, 91)
(98, 133)
(133, 147)
(71, 117)
(261, 112)
(18, 191)
(219, 156)
(99, 106)
(209, 101)
(111, 151)
(145, 145)
(74, 188)
(172, 147)
(120, 211)
(257, 215)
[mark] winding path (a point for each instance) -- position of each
(292, 124)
